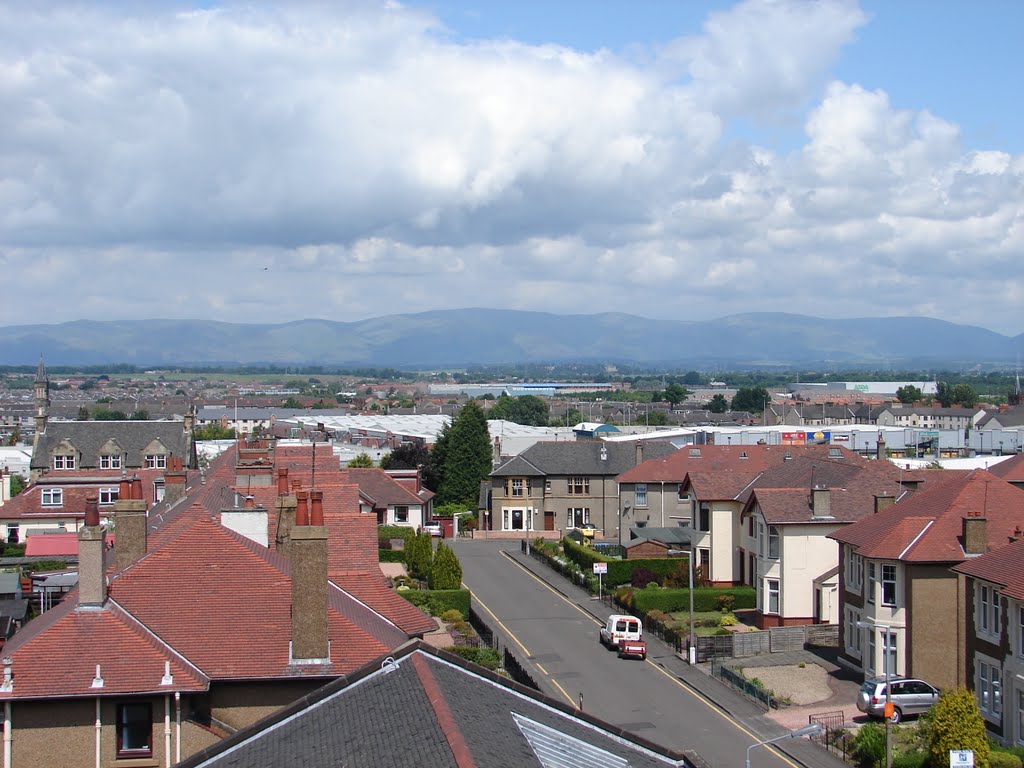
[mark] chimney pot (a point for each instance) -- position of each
(316, 508)
(302, 508)
(250, 502)
(92, 512)
(136, 488)
(282, 482)
(124, 489)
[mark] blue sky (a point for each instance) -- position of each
(679, 160)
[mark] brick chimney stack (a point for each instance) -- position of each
(975, 534)
(880, 452)
(285, 508)
(310, 640)
(92, 583)
(821, 501)
(130, 522)
(883, 501)
(174, 479)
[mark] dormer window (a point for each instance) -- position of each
(695, 453)
(743, 454)
(62, 461)
(53, 497)
(835, 453)
(110, 461)
(156, 461)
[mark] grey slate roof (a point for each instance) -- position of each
(582, 457)
(133, 437)
(386, 716)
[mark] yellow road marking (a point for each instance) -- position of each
(523, 647)
(728, 718)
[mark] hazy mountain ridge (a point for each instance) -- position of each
(492, 336)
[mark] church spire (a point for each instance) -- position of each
(41, 391)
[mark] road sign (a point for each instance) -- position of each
(600, 568)
(961, 758)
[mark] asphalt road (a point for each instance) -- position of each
(559, 639)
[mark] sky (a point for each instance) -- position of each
(270, 162)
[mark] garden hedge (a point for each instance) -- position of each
(391, 555)
(437, 601)
(704, 599)
(620, 571)
(387, 532)
(485, 657)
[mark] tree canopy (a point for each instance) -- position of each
(406, 456)
(909, 394)
(467, 457)
(675, 394)
(362, 461)
(750, 399)
(527, 409)
(949, 395)
(718, 404)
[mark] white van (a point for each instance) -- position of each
(624, 634)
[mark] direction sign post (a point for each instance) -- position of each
(961, 758)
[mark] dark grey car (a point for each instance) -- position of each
(909, 697)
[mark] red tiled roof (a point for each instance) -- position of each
(902, 531)
(381, 487)
(1011, 470)
(242, 593)
(51, 544)
(714, 458)
(1003, 566)
(61, 654)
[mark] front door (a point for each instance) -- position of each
(517, 520)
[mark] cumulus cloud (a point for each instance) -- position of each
(348, 160)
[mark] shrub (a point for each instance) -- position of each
(485, 657)
(388, 532)
(908, 759)
(869, 745)
(956, 724)
(445, 571)
(391, 555)
(729, 620)
(1003, 760)
(452, 615)
(704, 599)
(726, 603)
(419, 553)
(643, 577)
(438, 601)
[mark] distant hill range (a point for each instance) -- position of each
(489, 336)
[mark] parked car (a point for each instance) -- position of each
(624, 634)
(909, 697)
(434, 529)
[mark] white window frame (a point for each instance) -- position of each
(578, 516)
(1020, 717)
(518, 488)
(871, 660)
(1020, 636)
(774, 542)
(988, 615)
(63, 461)
(401, 512)
(52, 497)
(988, 688)
(110, 461)
(640, 495)
(872, 580)
(579, 486)
(108, 496)
(156, 461)
(890, 582)
(773, 592)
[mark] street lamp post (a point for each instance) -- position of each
(887, 628)
(814, 729)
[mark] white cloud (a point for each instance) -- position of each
(353, 161)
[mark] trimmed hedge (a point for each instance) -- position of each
(485, 657)
(387, 532)
(704, 599)
(437, 601)
(391, 555)
(620, 571)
